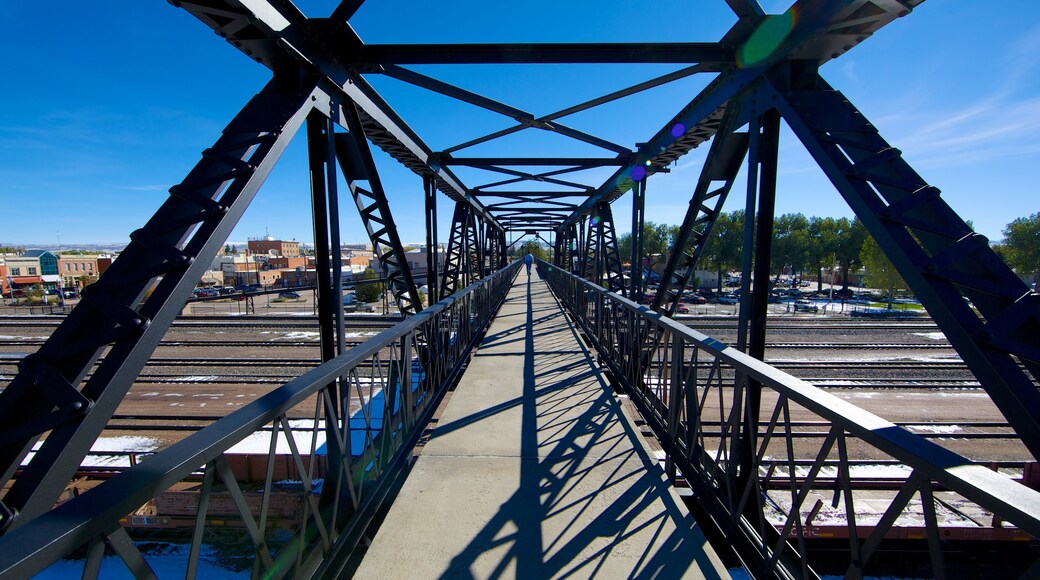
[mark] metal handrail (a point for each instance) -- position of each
(673, 374)
(407, 369)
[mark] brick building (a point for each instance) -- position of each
(74, 268)
(272, 247)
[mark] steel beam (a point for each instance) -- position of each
(456, 262)
(722, 55)
(938, 255)
(354, 155)
(277, 35)
(722, 165)
(638, 216)
(130, 309)
(432, 266)
(823, 30)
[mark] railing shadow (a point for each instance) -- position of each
(586, 484)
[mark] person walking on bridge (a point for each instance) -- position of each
(528, 260)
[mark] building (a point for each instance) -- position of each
(356, 249)
(417, 263)
(287, 262)
(5, 289)
(271, 247)
(77, 270)
(32, 268)
(104, 262)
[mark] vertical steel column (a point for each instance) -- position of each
(754, 149)
(334, 238)
(600, 254)
(767, 161)
(318, 129)
(321, 150)
(764, 247)
(638, 214)
(583, 250)
(430, 188)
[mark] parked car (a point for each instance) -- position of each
(697, 299)
(805, 306)
(288, 294)
(728, 299)
(682, 308)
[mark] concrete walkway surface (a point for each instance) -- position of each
(534, 472)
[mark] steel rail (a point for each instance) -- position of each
(451, 328)
(671, 395)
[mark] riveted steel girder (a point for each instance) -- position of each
(938, 255)
(130, 308)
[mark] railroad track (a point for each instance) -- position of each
(36, 342)
(263, 321)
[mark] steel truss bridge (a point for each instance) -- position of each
(51, 412)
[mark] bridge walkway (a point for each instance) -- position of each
(533, 471)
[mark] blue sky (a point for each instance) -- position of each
(108, 104)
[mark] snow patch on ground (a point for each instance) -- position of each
(299, 335)
(196, 378)
(936, 428)
(931, 335)
(110, 451)
(260, 441)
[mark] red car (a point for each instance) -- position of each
(682, 309)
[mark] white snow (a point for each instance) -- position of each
(260, 441)
(196, 378)
(122, 446)
(931, 335)
(936, 428)
(298, 335)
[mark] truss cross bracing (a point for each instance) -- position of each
(324, 73)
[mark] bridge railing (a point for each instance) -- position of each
(344, 432)
(775, 461)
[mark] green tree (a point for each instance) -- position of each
(657, 239)
(821, 245)
(790, 243)
(880, 271)
(849, 238)
(725, 246)
(33, 294)
(370, 292)
(1022, 246)
(534, 248)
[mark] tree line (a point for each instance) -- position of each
(812, 244)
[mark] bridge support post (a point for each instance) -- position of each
(765, 145)
(638, 214)
(432, 267)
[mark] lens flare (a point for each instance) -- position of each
(768, 37)
(638, 173)
(678, 130)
